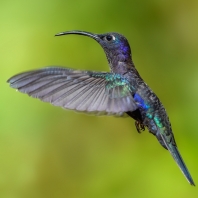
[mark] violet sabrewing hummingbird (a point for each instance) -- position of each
(120, 91)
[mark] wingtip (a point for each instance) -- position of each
(11, 80)
(8, 81)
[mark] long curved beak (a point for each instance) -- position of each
(94, 36)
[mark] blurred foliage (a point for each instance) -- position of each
(46, 151)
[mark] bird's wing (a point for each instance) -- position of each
(78, 90)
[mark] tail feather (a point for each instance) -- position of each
(180, 162)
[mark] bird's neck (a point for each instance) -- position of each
(120, 63)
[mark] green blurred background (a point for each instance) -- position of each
(47, 152)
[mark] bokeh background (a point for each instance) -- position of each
(48, 152)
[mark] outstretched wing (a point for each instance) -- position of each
(78, 90)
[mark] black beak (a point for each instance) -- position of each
(94, 36)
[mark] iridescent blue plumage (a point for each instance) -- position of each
(114, 93)
(140, 102)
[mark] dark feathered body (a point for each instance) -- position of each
(120, 91)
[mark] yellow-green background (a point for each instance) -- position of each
(47, 152)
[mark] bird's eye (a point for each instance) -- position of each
(109, 37)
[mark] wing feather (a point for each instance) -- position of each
(86, 91)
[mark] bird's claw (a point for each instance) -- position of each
(139, 126)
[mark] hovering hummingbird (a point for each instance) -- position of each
(117, 92)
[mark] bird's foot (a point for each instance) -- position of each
(139, 126)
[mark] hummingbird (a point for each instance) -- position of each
(118, 92)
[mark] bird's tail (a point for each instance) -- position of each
(177, 157)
